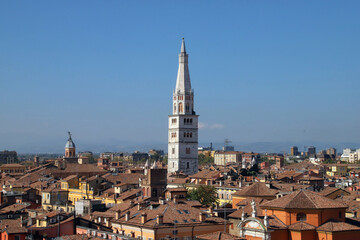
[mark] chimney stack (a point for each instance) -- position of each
(117, 214)
(143, 218)
(127, 216)
(159, 219)
(202, 217)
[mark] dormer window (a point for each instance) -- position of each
(301, 217)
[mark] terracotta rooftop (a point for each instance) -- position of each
(301, 226)
(130, 178)
(256, 190)
(337, 227)
(180, 189)
(329, 190)
(218, 236)
(179, 214)
(12, 226)
(303, 199)
(246, 204)
(206, 174)
(11, 165)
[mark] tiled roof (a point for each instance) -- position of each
(287, 187)
(329, 190)
(301, 226)
(288, 174)
(246, 203)
(337, 227)
(206, 174)
(180, 214)
(13, 226)
(218, 236)
(180, 189)
(303, 199)
(82, 168)
(256, 190)
(13, 208)
(130, 178)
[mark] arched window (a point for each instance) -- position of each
(188, 165)
(181, 107)
(301, 217)
(174, 107)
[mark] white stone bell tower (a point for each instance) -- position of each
(183, 123)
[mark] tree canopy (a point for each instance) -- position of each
(206, 195)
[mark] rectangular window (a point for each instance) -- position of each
(173, 150)
(173, 120)
(187, 150)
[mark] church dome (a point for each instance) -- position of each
(70, 143)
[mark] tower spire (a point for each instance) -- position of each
(183, 84)
(183, 49)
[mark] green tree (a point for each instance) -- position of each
(205, 160)
(206, 195)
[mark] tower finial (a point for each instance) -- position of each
(183, 49)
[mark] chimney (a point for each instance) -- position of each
(159, 219)
(161, 201)
(143, 218)
(138, 206)
(292, 188)
(117, 214)
(107, 222)
(127, 216)
(202, 217)
(132, 203)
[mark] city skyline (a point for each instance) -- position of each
(111, 83)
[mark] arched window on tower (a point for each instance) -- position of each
(181, 107)
(174, 107)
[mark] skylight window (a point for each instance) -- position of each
(186, 211)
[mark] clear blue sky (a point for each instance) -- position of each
(105, 70)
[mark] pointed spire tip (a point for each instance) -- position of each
(183, 49)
